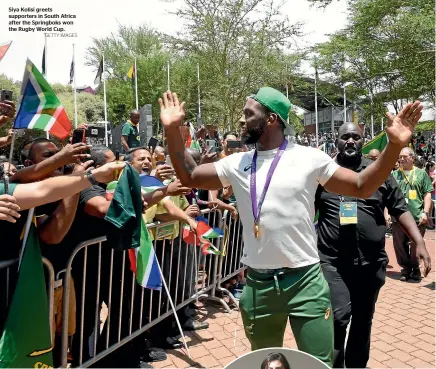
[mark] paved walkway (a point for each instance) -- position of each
(403, 334)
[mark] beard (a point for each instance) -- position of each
(253, 134)
(350, 160)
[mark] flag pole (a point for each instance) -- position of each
(169, 89)
(11, 152)
(47, 135)
(105, 104)
(372, 115)
(345, 105)
(198, 90)
(173, 309)
(168, 73)
(74, 87)
(382, 124)
(136, 85)
(287, 87)
(316, 105)
(26, 233)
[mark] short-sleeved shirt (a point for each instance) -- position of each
(11, 232)
(416, 180)
(364, 242)
(180, 202)
(132, 133)
(288, 236)
(83, 228)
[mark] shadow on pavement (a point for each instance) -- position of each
(393, 275)
(430, 286)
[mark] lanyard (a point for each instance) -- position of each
(256, 208)
(412, 176)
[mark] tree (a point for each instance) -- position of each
(89, 107)
(119, 49)
(239, 46)
(296, 122)
(387, 51)
(7, 83)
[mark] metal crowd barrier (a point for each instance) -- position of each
(9, 275)
(231, 254)
(113, 309)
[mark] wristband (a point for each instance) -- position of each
(91, 178)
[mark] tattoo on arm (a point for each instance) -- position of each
(186, 161)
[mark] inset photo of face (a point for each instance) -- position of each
(277, 358)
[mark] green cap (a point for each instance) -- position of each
(276, 102)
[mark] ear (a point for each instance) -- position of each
(272, 118)
(28, 163)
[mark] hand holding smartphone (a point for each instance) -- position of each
(78, 136)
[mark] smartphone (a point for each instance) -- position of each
(78, 136)
(5, 95)
(210, 143)
(153, 142)
(168, 161)
(234, 144)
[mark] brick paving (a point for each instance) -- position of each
(403, 328)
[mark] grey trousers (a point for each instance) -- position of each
(405, 254)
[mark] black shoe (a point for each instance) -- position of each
(154, 354)
(143, 364)
(195, 325)
(173, 343)
(416, 275)
(191, 312)
(404, 277)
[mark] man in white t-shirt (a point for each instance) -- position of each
(275, 188)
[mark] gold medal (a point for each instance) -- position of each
(256, 230)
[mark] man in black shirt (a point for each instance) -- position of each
(351, 244)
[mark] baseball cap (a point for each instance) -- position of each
(276, 102)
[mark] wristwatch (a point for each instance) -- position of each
(91, 178)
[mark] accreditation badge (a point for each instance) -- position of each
(412, 194)
(348, 213)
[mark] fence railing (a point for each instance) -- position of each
(8, 280)
(113, 309)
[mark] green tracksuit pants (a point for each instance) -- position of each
(303, 295)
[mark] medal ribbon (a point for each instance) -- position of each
(254, 206)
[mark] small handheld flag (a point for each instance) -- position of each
(202, 236)
(131, 73)
(39, 106)
(4, 49)
(99, 75)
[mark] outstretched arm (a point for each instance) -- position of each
(399, 129)
(203, 176)
(31, 195)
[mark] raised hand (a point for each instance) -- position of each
(82, 167)
(193, 211)
(209, 157)
(176, 189)
(172, 112)
(7, 112)
(73, 153)
(400, 128)
(108, 172)
(9, 209)
(164, 172)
